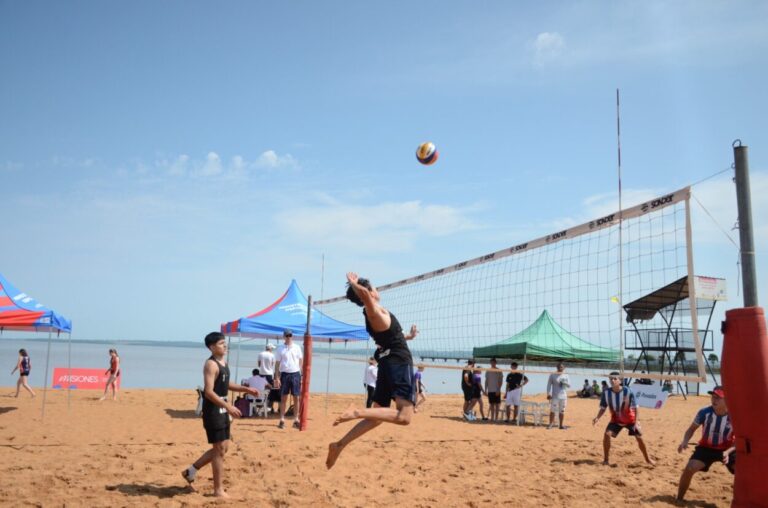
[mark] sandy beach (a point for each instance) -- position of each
(130, 453)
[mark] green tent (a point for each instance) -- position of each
(547, 340)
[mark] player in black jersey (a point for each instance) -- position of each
(216, 412)
(395, 378)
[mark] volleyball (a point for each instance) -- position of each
(426, 153)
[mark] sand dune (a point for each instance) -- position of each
(130, 453)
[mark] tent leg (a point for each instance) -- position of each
(45, 383)
(237, 361)
(69, 372)
(328, 376)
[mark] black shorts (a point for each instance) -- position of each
(24, 373)
(615, 429)
(217, 435)
(494, 398)
(290, 383)
(394, 380)
(476, 392)
(709, 456)
(467, 393)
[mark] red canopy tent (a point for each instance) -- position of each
(21, 312)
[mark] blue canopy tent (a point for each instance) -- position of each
(289, 312)
(21, 312)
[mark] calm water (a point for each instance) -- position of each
(162, 366)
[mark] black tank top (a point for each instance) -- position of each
(211, 412)
(394, 348)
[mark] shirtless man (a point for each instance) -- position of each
(395, 376)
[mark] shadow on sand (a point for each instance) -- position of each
(4, 410)
(672, 500)
(182, 413)
(149, 489)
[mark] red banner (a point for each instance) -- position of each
(82, 379)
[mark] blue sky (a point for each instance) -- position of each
(167, 166)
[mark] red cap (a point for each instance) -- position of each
(717, 390)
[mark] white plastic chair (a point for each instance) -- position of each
(259, 405)
(531, 409)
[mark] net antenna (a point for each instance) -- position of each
(551, 298)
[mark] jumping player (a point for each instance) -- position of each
(216, 412)
(114, 373)
(395, 377)
(24, 366)
(621, 402)
(716, 444)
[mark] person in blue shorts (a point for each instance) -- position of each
(289, 361)
(395, 376)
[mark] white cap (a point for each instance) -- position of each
(270, 346)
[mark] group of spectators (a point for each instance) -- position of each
(473, 388)
(279, 377)
(592, 390)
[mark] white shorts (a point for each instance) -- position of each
(557, 405)
(513, 397)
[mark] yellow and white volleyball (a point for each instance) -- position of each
(426, 153)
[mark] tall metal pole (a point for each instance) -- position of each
(744, 202)
(621, 255)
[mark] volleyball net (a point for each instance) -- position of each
(558, 297)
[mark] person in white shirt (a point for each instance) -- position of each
(259, 382)
(557, 385)
(288, 362)
(369, 381)
(266, 363)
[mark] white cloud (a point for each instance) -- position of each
(212, 165)
(271, 160)
(179, 166)
(547, 47)
(391, 227)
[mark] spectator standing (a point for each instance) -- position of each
(466, 388)
(493, 381)
(515, 383)
(288, 362)
(266, 363)
(557, 384)
(369, 381)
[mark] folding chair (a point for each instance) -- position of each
(260, 406)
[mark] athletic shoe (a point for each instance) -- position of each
(281, 425)
(188, 475)
(296, 424)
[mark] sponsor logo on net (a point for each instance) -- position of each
(657, 202)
